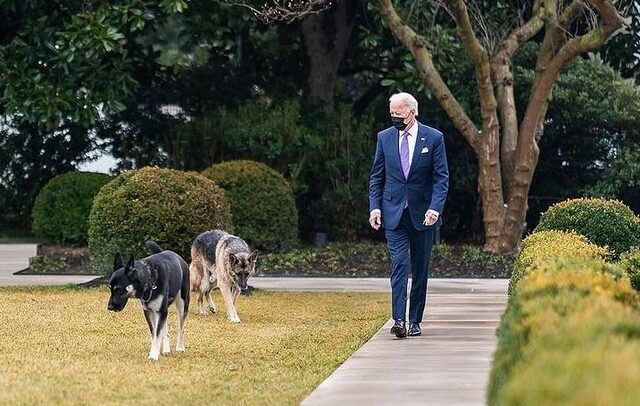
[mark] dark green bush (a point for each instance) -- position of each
(606, 223)
(61, 210)
(262, 203)
(168, 206)
(630, 263)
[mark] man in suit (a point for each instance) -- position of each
(407, 190)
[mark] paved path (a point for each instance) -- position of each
(15, 257)
(448, 365)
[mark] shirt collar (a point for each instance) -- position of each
(413, 131)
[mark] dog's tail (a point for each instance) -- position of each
(153, 247)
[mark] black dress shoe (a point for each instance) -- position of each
(399, 329)
(414, 329)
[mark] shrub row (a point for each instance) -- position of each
(570, 331)
(604, 222)
(169, 206)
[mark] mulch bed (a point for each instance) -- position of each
(335, 260)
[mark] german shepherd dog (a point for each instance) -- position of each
(219, 259)
(157, 280)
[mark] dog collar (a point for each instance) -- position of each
(153, 285)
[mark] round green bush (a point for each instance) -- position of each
(168, 206)
(61, 210)
(262, 203)
(606, 223)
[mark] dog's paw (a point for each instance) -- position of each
(180, 349)
(234, 319)
(152, 357)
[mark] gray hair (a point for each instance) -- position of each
(406, 99)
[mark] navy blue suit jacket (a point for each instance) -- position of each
(427, 184)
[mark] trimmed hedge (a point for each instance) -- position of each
(556, 294)
(630, 263)
(606, 223)
(592, 358)
(61, 210)
(544, 246)
(262, 203)
(171, 207)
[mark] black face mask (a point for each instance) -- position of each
(398, 122)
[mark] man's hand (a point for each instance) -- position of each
(375, 220)
(430, 217)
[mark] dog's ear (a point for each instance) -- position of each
(233, 259)
(129, 269)
(118, 262)
(254, 256)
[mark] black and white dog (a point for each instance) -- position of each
(157, 280)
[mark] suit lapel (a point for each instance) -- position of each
(395, 149)
(421, 142)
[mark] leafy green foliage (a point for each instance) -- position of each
(168, 206)
(29, 157)
(262, 203)
(621, 180)
(606, 223)
(592, 115)
(61, 210)
(630, 263)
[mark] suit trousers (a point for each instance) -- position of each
(409, 249)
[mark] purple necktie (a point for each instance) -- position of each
(404, 154)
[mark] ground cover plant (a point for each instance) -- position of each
(61, 345)
(364, 259)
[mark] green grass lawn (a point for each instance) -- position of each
(61, 346)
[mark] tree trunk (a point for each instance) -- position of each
(326, 37)
(490, 184)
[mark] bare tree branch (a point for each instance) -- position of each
(282, 10)
(431, 77)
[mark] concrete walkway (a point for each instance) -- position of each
(15, 257)
(448, 365)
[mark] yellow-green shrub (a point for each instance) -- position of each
(593, 358)
(605, 222)
(545, 297)
(171, 207)
(262, 203)
(545, 246)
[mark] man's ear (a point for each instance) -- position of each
(118, 262)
